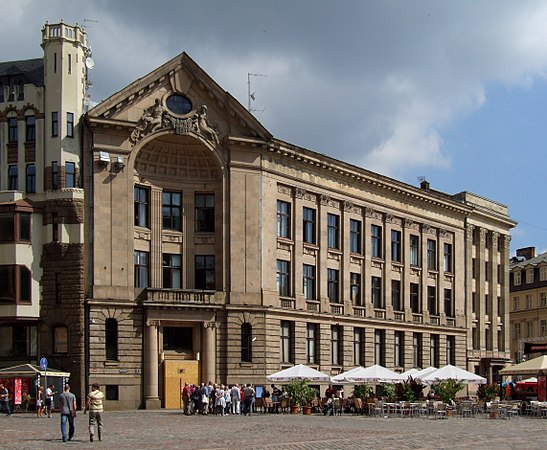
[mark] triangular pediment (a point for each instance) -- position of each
(180, 76)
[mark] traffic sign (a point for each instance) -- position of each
(43, 363)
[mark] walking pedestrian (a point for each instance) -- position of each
(94, 403)
(50, 392)
(39, 404)
(68, 412)
(4, 399)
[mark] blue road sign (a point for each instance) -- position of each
(43, 363)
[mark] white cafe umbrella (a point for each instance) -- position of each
(450, 372)
(341, 377)
(372, 374)
(418, 376)
(409, 373)
(298, 372)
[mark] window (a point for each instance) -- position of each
(417, 350)
(204, 276)
(13, 183)
(178, 339)
(355, 288)
(543, 302)
(1, 92)
(415, 303)
(309, 231)
(333, 231)
(517, 278)
(69, 63)
(246, 342)
(336, 350)
(448, 303)
(474, 302)
(529, 276)
(358, 347)
(543, 273)
(12, 130)
(70, 175)
(54, 175)
(528, 300)
(379, 347)
(501, 343)
(141, 268)
(54, 124)
(517, 330)
(309, 282)
(376, 286)
(31, 178)
(543, 327)
(434, 350)
(451, 350)
(283, 278)
(431, 254)
(398, 349)
(60, 340)
(18, 341)
(205, 213)
(333, 285)
(396, 245)
(414, 250)
(283, 219)
(171, 210)
(396, 295)
(499, 273)
(112, 392)
(432, 300)
(286, 342)
(311, 343)
(487, 271)
(447, 257)
(473, 268)
(529, 329)
(14, 227)
(111, 339)
(70, 124)
(141, 196)
(516, 303)
(172, 271)
(376, 241)
(354, 236)
(475, 338)
(15, 284)
(54, 62)
(30, 128)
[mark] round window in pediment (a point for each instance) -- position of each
(179, 104)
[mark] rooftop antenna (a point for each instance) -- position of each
(251, 95)
(89, 20)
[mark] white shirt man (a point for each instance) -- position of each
(235, 392)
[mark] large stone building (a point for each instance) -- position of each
(214, 251)
(528, 287)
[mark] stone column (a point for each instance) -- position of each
(209, 352)
(152, 400)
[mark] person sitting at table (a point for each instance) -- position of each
(328, 408)
(329, 392)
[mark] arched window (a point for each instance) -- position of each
(111, 339)
(60, 339)
(246, 342)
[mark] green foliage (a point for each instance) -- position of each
(488, 392)
(409, 390)
(388, 390)
(300, 393)
(363, 391)
(447, 389)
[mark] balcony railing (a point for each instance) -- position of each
(434, 320)
(399, 316)
(288, 303)
(181, 296)
(417, 318)
(450, 322)
(380, 313)
(312, 305)
(336, 309)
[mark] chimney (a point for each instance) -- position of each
(527, 252)
(424, 185)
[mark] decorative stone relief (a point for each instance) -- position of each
(369, 212)
(334, 256)
(282, 189)
(350, 207)
(409, 223)
(495, 236)
(356, 261)
(426, 229)
(390, 218)
(482, 234)
(309, 251)
(443, 233)
(300, 193)
(283, 246)
(507, 241)
(469, 232)
(327, 201)
(211, 325)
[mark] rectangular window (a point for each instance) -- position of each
(31, 178)
(432, 300)
(336, 345)
(517, 277)
(333, 231)
(15, 284)
(355, 236)
(54, 175)
(286, 342)
(415, 303)
(69, 63)
(204, 276)
(396, 246)
(70, 124)
(487, 271)
(398, 349)
(12, 130)
(333, 279)
(447, 257)
(396, 295)
(451, 350)
(376, 241)
(171, 271)
(54, 62)
(171, 210)
(379, 347)
(141, 262)
(516, 303)
(54, 124)
(517, 330)
(205, 213)
(30, 128)
(448, 303)
(13, 178)
(283, 219)
(475, 338)
(70, 175)
(414, 250)
(283, 278)
(543, 327)
(246, 342)
(529, 276)
(529, 329)
(431, 254)
(543, 302)
(308, 273)
(376, 288)
(358, 347)
(355, 288)
(417, 353)
(528, 300)
(141, 196)
(112, 392)
(543, 273)
(434, 350)
(309, 226)
(311, 343)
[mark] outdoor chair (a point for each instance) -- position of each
(466, 409)
(378, 408)
(337, 406)
(439, 410)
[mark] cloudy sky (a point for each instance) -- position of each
(454, 91)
